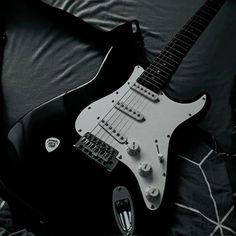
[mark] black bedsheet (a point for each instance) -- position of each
(46, 56)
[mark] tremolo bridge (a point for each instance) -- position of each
(98, 150)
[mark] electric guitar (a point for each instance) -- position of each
(124, 130)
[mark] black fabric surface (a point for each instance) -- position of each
(49, 52)
(36, 58)
(204, 199)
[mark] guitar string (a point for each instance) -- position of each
(137, 103)
(174, 49)
(203, 10)
(118, 119)
(181, 35)
(183, 30)
(191, 32)
(207, 21)
(156, 63)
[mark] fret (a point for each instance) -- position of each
(148, 84)
(170, 58)
(158, 75)
(158, 71)
(206, 15)
(201, 23)
(195, 26)
(217, 3)
(155, 84)
(152, 75)
(155, 69)
(163, 67)
(155, 80)
(186, 37)
(162, 79)
(192, 33)
(176, 48)
(161, 82)
(180, 46)
(194, 29)
(211, 10)
(200, 16)
(181, 49)
(207, 12)
(198, 24)
(173, 55)
(166, 59)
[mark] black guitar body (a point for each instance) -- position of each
(77, 194)
(71, 193)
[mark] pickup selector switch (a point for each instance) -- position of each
(145, 169)
(161, 158)
(133, 148)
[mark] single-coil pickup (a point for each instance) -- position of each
(144, 91)
(130, 111)
(98, 150)
(112, 131)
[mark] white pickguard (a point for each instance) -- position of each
(161, 119)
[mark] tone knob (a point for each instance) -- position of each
(133, 148)
(145, 169)
(152, 194)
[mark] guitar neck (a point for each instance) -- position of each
(159, 72)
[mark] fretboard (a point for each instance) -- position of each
(158, 74)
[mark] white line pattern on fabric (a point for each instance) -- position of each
(225, 217)
(218, 223)
(185, 158)
(203, 160)
(211, 195)
(196, 211)
(2, 204)
(214, 231)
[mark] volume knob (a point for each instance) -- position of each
(145, 169)
(133, 148)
